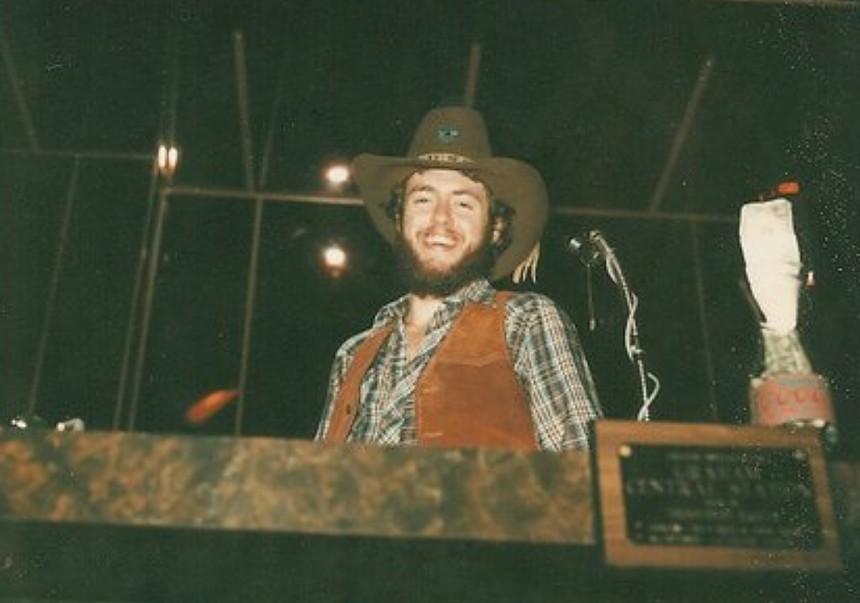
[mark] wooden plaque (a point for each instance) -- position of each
(712, 496)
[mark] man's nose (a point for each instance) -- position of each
(442, 211)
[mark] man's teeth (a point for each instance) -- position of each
(440, 240)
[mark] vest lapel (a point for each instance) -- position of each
(346, 403)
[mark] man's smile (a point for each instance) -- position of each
(439, 241)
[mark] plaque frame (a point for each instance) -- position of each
(614, 438)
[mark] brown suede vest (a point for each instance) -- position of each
(467, 395)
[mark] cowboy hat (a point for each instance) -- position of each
(456, 138)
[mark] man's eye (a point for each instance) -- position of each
(468, 204)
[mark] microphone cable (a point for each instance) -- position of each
(591, 250)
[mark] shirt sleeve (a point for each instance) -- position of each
(552, 368)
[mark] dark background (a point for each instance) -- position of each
(653, 121)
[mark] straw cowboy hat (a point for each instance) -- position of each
(456, 138)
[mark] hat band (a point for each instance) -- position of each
(445, 158)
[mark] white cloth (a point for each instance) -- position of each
(772, 258)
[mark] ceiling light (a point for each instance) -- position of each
(334, 259)
(167, 160)
(337, 175)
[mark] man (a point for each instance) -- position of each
(453, 362)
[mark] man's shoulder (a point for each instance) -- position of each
(348, 347)
(524, 309)
(527, 301)
(383, 319)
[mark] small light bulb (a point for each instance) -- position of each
(167, 160)
(334, 256)
(337, 175)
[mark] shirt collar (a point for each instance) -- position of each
(478, 291)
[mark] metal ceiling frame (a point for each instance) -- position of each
(14, 83)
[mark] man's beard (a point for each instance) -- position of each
(423, 281)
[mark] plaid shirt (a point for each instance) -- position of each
(546, 353)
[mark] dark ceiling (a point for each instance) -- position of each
(682, 106)
(650, 115)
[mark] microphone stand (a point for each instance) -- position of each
(598, 247)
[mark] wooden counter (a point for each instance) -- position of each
(134, 517)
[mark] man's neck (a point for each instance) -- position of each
(421, 310)
(422, 307)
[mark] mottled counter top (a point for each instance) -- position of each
(295, 486)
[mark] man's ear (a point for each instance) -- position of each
(498, 226)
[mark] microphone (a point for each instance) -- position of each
(590, 247)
